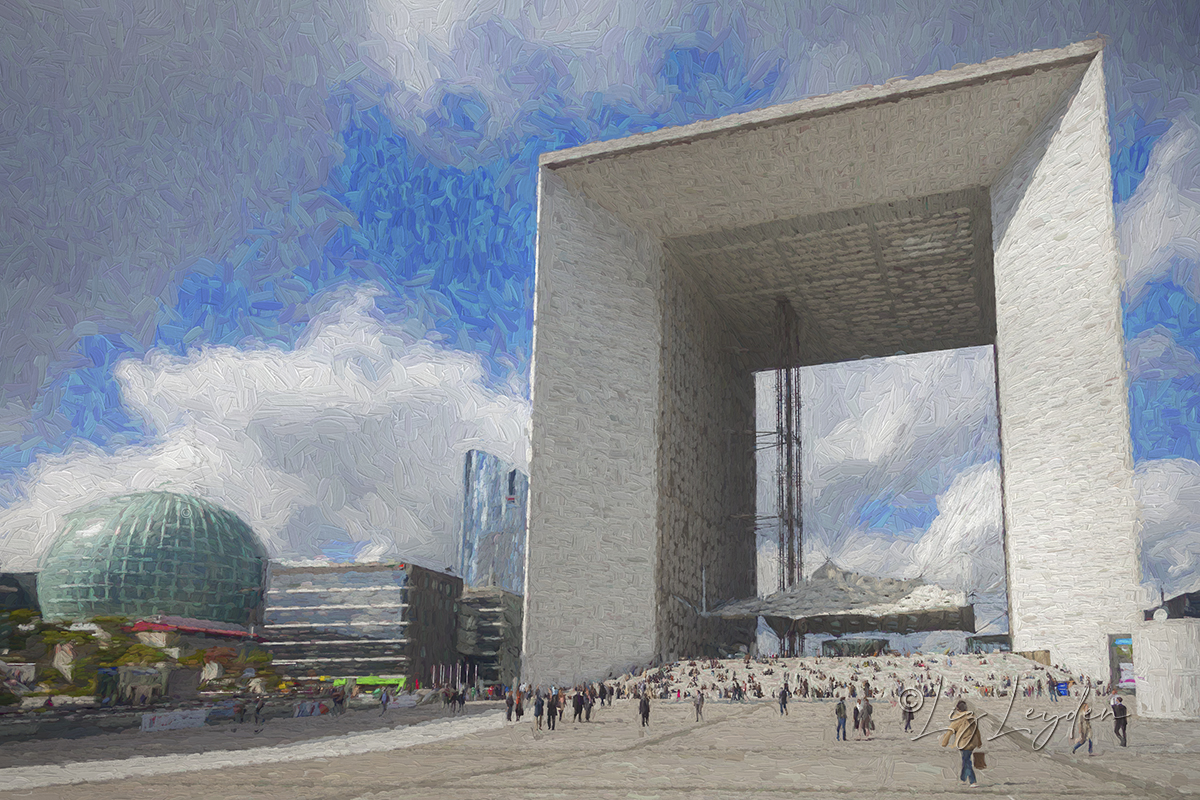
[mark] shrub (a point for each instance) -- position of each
(257, 659)
(142, 654)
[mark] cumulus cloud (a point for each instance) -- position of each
(1169, 497)
(963, 549)
(355, 439)
(1158, 228)
(964, 546)
(1155, 355)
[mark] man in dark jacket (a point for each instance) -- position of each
(840, 714)
(644, 708)
(1120, 720)
(552, 710)
(508, 704)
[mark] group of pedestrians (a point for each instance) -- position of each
(260, 713)
(963, 732)
(552, 705)
(454, 699)
(864, 719)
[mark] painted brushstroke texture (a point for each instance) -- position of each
(283, 255)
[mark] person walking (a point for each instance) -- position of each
(508, 705)
(644, 708)
(784, 694)
(239, 713)
(519, 709)
(868, 718)
(964, 734)
(551, 711)
(562, 703)
(1120, 720)
(383, 701)
(906, 716)
(840, 714)
(699, 703)
(260, 716)
(577, 703)
(589, 700)
(539, 708)
(1084, 726)
(857, 717)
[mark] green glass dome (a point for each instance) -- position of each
(154, 553)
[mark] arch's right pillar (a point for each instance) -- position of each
(1070, 515)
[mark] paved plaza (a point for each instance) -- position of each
(739, 751)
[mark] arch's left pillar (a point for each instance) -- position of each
(593, 474)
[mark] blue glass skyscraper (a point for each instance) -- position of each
(493, 542)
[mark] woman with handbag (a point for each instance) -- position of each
(964, 733)
(1084, 727)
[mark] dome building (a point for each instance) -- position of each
(154, 553)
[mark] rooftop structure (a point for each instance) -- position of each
(836, 601)
(184, 625)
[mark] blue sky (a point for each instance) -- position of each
(183, 182)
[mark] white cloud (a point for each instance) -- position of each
(1158, 228)
(897, 429)
(356, 435)
(1169, 497)
(963, 548)
(895, 415)
(1154, 354)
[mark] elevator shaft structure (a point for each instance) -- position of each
(787, 429)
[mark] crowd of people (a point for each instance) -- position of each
(873, 677)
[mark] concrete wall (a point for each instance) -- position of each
(1064, 422)
(591, 554)
(706, 473)
(1167, 663)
